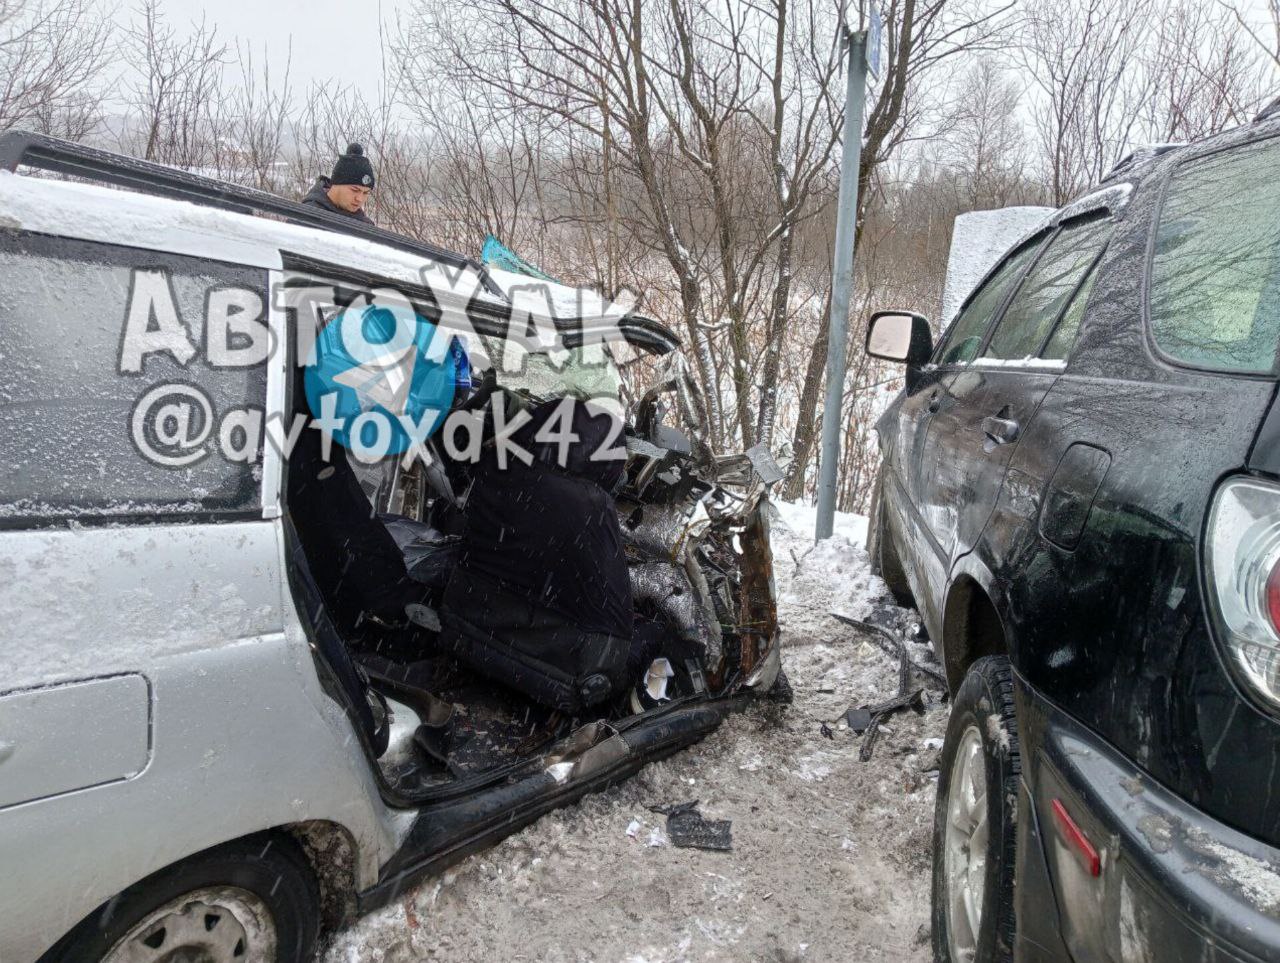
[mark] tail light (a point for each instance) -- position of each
(1242, 551)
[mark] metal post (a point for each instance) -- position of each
(841, 283)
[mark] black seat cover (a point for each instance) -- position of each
(541, 598)
(356, 562)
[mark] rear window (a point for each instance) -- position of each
(91, 426)
(1215, 272)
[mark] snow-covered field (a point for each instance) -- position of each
(831, 855)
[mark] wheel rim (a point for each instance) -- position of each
(965, 846)
(223, 924)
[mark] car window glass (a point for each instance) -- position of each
(1064, 336)
(969, 327)
(1045, 291)
(1215, 273)
(72, 441)
(588, 373)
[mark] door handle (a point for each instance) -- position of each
(1000, 431)
(935, 402)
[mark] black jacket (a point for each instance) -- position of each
(318, 197)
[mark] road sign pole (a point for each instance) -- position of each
(841, 283)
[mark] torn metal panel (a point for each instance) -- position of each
(696, 527)
(665, 530)
(756, 464)
(758, 622)
(669, 589)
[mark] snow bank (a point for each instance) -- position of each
(815, 579)
(978, 240)
(803, 519)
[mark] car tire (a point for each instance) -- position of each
(254, 896)
(885, 561)
(974, 828)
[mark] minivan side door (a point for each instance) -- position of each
(156, 695)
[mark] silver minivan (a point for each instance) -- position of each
(212, 746)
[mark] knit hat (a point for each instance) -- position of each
(353, 168)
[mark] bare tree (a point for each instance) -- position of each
(1086, 60)
(176, 98)
(1266, 38)
(52, 56)
(1206, 74)
(255, 123)
(711, 124)
(922, 38)
(986, 145)
(489, 168)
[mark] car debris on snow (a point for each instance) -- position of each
(890, 629)
(859, 719)
(895, 647)
(688, 828)
(871, 850)
(913, 700)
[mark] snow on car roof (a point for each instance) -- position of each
(126, 218)
(565, 301)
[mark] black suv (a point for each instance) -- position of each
(1081, 494)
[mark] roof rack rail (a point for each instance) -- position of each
(1148, 152)
(40, 151)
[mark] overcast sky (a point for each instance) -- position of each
(331, 39)
(339, 40)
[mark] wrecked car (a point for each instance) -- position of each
(1081, 494)
(249, 686)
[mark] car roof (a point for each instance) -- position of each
(91, 164)
(127, 219)
(185, 213)
(1145, 162)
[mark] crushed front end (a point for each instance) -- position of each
(696, 531)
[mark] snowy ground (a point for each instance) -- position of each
(830, 859)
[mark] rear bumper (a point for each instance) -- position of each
(1175, 884)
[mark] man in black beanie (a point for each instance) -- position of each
(347, 189)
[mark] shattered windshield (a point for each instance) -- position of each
(588, 373)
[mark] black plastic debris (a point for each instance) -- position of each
(891, 629)
(893, 644)
(826, 731)
(909, 700)
(859, 719)
(881, 711)
(687, 828)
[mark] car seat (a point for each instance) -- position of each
(540, 599)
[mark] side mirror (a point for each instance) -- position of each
(899, 336)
